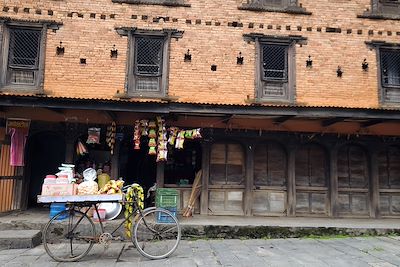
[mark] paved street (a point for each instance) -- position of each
(360, 251)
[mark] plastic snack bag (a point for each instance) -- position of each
(93, 136)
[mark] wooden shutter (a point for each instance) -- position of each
(227, 164)
(311, 166)
(352, 167)
(269, 165)
(389, 168)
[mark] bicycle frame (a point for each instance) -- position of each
(137, 210)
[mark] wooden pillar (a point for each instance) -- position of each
(248, 196)
(69, 151)
(291, 181)
(115, 160)
(205, 165)
(333, 181)
(71, 134)
(374, 182)
(160, 174)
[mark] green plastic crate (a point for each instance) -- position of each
(167, 198)
(167, 191)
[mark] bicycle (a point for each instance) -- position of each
(155, 232)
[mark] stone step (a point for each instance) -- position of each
(10, 239)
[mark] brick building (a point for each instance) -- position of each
(297, 100)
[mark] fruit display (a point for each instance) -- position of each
(134, 190)
(112, 187)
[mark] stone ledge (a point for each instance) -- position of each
(17, 239)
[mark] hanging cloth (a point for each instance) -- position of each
(17, 148)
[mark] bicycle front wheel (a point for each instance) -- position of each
(156, 234)
(69, 236)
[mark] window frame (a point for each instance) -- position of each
(37, 86)
(382, 87)
(132, 73)
(170, 3)
(286, 6)
(288, 84)
(377, 11)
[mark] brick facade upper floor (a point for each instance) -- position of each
(338, 36)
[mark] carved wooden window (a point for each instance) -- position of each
(148, 64)
(171, 3)
(287, 6)
(389, 61)
(24, 58)
(227, 164)
(276, 72)
(270, 165)
(389, 7)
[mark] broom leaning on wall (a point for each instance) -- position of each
(196, 189)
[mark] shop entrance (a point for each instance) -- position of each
(137, 166)
(44, 154)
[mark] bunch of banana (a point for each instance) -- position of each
(110, 136)
(134, 190)
(112, 187)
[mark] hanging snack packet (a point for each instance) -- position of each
(93, 136)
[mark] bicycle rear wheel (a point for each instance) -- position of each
(156, 234)
(69, 236)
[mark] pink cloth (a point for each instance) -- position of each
(17, 148)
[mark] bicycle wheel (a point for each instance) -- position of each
(69, 236)
(156, 234)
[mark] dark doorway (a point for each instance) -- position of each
(44, 154)
(137, 166)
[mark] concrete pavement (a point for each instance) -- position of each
(354, 252)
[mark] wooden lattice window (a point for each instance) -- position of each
(276, 65)
(227, 164)
(24, 57)
(389, 65)
(148, 64)
(390, 7)
(270, 165)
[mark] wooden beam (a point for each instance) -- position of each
(227, 119)
(331, 121)
(282, 119)
(112, 115)
(371, 122)
(56, 110)
(195, 109)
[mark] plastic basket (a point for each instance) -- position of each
(164, 218)
(167, 191)
(167, 201)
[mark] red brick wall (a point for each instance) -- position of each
(210, 44)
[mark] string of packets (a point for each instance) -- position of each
(157, 133)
